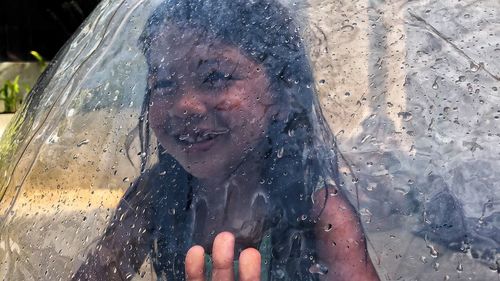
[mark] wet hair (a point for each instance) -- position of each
(299, 152)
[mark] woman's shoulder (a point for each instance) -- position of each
(329, 200)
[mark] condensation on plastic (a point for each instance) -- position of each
(409, 88)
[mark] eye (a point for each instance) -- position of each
(163, 90)
(164, 84)
(217, 79)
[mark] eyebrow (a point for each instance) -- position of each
(211, 61)
(164, 83)
(218, 63)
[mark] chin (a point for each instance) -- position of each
(202, 170)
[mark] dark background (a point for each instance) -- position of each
(39, 25)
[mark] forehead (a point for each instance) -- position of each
(174, 46)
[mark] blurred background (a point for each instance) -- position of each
(42, 26)
(27, 26)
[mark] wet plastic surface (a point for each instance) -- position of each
(409, 90)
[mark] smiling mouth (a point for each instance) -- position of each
(200, 137)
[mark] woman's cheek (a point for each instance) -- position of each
(159, 111)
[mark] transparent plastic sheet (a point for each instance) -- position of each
(409, 89)
(64, 155)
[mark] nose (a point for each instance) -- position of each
(190, 103)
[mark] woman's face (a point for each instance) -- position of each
(210, 104)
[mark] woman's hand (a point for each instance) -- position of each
(223, 257)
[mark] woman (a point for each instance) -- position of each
(245, 161)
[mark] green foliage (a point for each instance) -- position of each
(41, 61)
(11, 96)
(10, 92)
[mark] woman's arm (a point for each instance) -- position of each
(341, 242)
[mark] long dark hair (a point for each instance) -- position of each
(299, 157)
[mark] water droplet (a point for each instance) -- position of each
(328, 227)
(446, 277)
(460, 267)
(407, 116)
(494, 89)
(366, 215)
(184, 137)
(365, 138)
(303, 217)
(280, 273)
(347, 27)
(334, 192)
(371, 186)
(83, 142)
(474, 67)
(162, 173)
(435, 85)
(322, 81)
(347, 94)
(318, 268)
(126, 179)
(461, 78)
(432, 251)
(280, 152)
(469, 88)
(466, 16)
(423, 259)
(480, 220)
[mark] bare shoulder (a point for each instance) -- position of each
(340, 239)
(331, 204)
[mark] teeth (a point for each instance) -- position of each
(216, 133)
(187, 138)
(190, 139)
(202, 138)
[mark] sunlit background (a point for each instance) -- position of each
(409, 88)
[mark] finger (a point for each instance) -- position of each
(195, 264)
(223, 255)
(249, 266)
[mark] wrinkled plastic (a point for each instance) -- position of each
(408, 89)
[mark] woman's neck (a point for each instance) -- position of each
(237, 204)
(240, 184)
